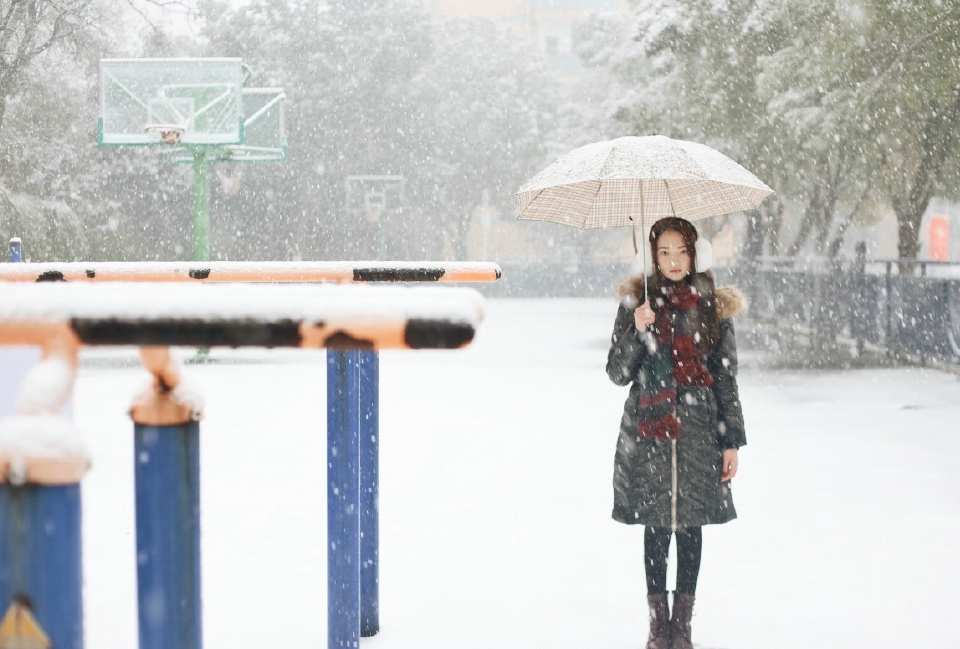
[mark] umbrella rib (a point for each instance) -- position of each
(596, 194)
(646, 249)
(640, 202)
(694, 163)
(673, 208)
(606, 161)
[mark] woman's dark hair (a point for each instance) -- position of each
(707, 307)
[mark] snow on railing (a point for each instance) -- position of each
(273, 271)
(357, 317)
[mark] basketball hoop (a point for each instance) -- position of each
(165, 133)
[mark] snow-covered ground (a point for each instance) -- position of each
(495, 498)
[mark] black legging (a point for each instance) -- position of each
(656, 547)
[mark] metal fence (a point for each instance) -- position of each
(896, 307)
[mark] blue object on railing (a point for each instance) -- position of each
(16, 250)
(369, 493)
(167, 473)
(40, 566)
(343, 492)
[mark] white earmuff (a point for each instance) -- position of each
(704, 254)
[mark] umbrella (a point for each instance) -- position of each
(633, 181)
(636, 181)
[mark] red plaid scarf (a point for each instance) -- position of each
(676, 363)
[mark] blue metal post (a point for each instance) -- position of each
(16, 250)
(369, 493)
(40, 549)
(167, 475)
(40, 558)
(343, 487)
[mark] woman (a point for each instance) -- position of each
(682, 422)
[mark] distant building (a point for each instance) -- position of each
(552, 24)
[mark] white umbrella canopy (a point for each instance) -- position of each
(632, 180)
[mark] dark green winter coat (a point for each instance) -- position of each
(676, 483)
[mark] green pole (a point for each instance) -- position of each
(201, 205)
(382, 236)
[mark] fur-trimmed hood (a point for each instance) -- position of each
(731, 302)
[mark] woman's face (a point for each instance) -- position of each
(673, 258)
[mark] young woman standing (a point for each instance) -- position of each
(682, 421)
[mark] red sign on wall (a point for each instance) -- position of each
(939, 238)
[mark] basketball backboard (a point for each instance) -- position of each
(200, 99)
(370, 197)
(264, 137)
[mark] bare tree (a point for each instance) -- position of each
(28, 28)
(187, 7)
(912, 195)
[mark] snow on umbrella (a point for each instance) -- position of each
(638, 180)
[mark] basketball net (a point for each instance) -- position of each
(165, 133)
(230, 183)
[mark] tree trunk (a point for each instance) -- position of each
(833, 178)
(834, 248)
(754, 240)
(940, 137)
(773, 225)
(826, 220)
(908, 230)
(819, 213)
(461, 230)
(810, 216)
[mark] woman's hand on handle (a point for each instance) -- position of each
(730, 463)
(643, 316)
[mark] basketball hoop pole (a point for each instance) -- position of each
(201, 205)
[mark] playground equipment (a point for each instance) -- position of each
(63, 316)
(200, 111)
(166, 425)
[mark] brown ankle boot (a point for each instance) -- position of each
(680, 622)
(659, 637)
